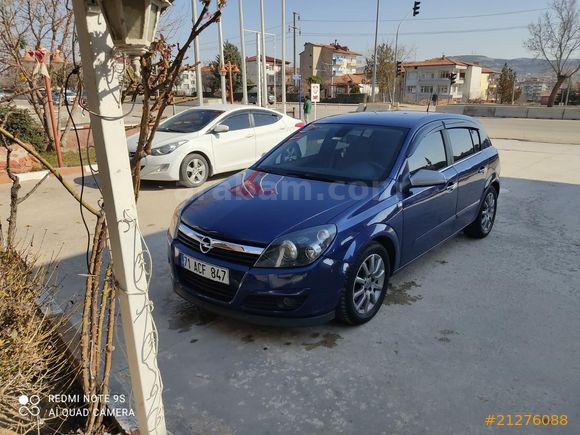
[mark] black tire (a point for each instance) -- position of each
(483, 224)
(346, 311)
(194, 170)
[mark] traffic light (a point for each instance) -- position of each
(452, 77)
(416, 7)
(399, 68)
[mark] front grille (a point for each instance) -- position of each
(244, 258)
(206, 287)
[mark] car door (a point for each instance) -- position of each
(428, 212)
(270, 130)
(234, 149)
(471, 167)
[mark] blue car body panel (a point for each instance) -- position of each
(254, 208)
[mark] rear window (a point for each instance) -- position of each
(265, 118)
(189, 121)
(461, 142)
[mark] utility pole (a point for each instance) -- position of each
(294, 28)
(374, 80)
(284, 57)
(264, 59)
(259, 69)
(103, 98)
(243, 53)
(198, 78)
(222, 62)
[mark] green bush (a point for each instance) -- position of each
(22, 125)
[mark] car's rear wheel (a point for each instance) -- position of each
(483, 224)
(366, 286)
(194, 170)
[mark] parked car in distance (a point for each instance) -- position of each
(70, 97)
(316, 227)
(253, 98)
(203, 141)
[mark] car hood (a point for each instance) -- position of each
(256, 207)
(161, 138)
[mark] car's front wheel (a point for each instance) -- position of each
(194, 170)
(366, 286)
(483, 224)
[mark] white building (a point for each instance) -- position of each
(186, 83)
(273, 73)
(423, 79)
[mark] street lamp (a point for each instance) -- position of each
(39, 57)
(230, 68)
(132, 23)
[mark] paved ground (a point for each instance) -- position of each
(471, 329)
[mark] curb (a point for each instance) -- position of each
(38, 175)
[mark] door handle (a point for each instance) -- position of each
(249, 136)
(482, 170)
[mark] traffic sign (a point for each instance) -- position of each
(296, 77)
(315, 92)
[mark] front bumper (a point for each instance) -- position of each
(284, 297)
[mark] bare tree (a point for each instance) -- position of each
(35, 24)
(556, 38)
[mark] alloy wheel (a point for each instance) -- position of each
(488, 212)
(195, 171)
(368, 284)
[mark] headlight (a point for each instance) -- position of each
(166, 149)
(299, 248)
(176, 219)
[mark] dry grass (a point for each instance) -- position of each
(32, 361)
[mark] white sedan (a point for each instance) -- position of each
(208, 140)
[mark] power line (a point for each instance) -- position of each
(440, 32)
(459, 17)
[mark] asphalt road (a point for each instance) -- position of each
(470, 329)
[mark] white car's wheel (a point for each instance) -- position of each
(194, 170)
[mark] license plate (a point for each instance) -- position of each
(206, 270)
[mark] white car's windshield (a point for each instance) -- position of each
(189, 121)
(337, 152)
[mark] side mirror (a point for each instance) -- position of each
(220, 128)
(427, 177)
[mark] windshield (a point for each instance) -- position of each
(189, 121)
(337, 153)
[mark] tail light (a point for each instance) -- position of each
(299, 124)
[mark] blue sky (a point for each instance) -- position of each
(430, 34)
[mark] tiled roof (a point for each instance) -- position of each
(268, 60)
(446, 61)
(336, 48)
(350, 79)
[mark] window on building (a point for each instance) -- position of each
(443, 74)
(443, 89)
(411, 89)
(426, 89)
(462, 75)
(461, 143)
(430, 154)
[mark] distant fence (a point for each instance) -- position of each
(499, 111)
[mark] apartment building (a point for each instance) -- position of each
(327, 61)
(423, 79)
(273, 73)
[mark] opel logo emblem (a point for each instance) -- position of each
(205, 245)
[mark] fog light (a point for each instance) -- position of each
(291, 302)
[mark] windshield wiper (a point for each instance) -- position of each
(168, 130)
(300, 174)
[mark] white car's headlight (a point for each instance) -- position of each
(166, 149)
(299, 248)
(172, 230)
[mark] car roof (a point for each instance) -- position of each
(228, 107)
(393, 119)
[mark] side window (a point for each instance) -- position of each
(237, 122)
(476, 139)
(263, 118)
(430, 154)
(461, 142)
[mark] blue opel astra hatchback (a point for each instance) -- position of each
(314, 230)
